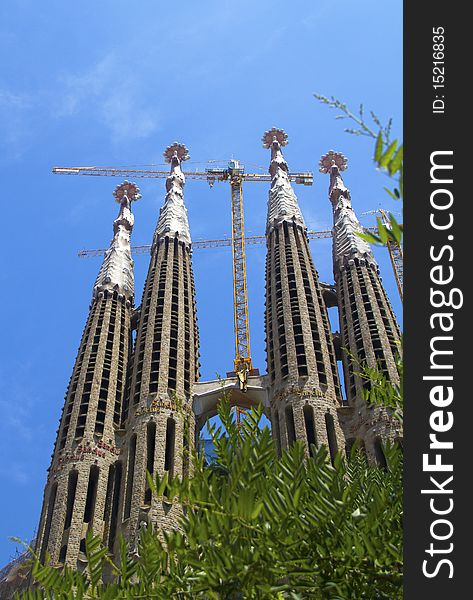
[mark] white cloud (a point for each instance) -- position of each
(17, 473)
(110, 96)
(17, 400)
(15, 110)
(80, 88)
(9, 99)
(127, 121)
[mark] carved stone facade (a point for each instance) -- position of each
(136, 407)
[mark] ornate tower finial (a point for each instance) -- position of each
(274, 135)
(173, 216)
(116, 273)
(346, 240)
(127, 190)
(332, 159)
(333, 163)
(282, 202)
(176, 150)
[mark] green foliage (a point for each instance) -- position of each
(363, 127)
(388, 157)
(382, 391)
(389, 232)
(257, 526)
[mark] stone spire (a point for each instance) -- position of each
(304, 385)
(85, 473)
(158, 415)
(282, 201)
(347, 244)
(116, 273)
(173, 216)
(368, 328)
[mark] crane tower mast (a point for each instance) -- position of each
(242, 361)
(396, 256)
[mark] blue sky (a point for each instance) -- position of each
(112, 82)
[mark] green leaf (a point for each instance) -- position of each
(384, 160)
(378, 150)
(396, 162)
(396, 232)
(382, 231)
(95, 553)
(392, 194)
(371, 238)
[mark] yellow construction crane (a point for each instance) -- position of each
(395, 251)
(250, 240)
(235, 174)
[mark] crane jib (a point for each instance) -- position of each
(211, 175)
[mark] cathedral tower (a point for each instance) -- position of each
(158, 415)
(369, 331)
(128, 411)
(304, 384)
(79, 493)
